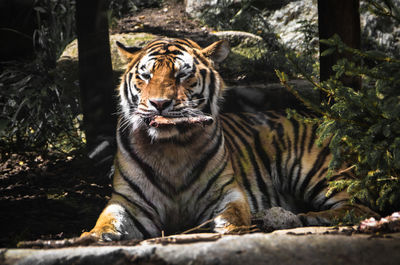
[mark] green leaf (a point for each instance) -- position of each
(328, 51)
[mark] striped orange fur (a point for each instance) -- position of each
(175, 176)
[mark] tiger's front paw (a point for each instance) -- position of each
(105, 234)
(222, 226)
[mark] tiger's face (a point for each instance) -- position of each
(171, 84)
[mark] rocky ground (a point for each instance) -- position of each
(297, 246)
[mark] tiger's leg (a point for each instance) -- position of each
(235, 217)
(233, 213)
(117, 222)
(333, 210)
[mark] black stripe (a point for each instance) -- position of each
(156, 53)
(137, 89)
(330, 206)
(245, 180)
(295, 125)
(148, 171)
(321, 204)
(272, 114)
(137, 206)
(184, 42)
(136, 189)
(126, 87)
(333, 193)
(214, 202)
(247, 119)
(199, 168)
(281, 134)
(171, 60)
(138, 225)
(176, 52)
(260, 181)
(299, 161)
(278, 158)
(258, 147)
(211, 87)
(201, 58)
(296, 161)
(319, 187)
(321, 158)
(245, 130)
(180, 47)
(203, 73)
(211, 93)
(154, 47)
(312, 137)
(289, 156)
(211, 181)
(262, 154)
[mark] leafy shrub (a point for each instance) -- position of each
(363, 124)
(35, 112)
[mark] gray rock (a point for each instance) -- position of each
(377, 32)
(285, 22)
(246, 249)
(237, 38)
(70, 52)
(278, 218)
(195, 8)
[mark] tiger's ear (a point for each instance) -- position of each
(217, 51)
(127, 52)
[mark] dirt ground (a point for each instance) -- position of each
(170, 20)
(48, 198)
(58, 197)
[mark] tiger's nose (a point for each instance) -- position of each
(160, 104)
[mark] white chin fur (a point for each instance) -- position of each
(156, 133)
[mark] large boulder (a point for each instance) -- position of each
(290, 22)
(196, 8)
(67, 64)
(70, 53)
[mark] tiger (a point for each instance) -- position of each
(181, 163)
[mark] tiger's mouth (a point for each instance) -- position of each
(159, 121)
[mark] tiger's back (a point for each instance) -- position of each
(278, 162)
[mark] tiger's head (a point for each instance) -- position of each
(171, 83)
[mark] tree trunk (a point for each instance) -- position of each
(343, 18)
(95, 72)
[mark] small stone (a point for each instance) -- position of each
(278, 218)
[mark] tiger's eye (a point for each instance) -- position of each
(146, 76)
